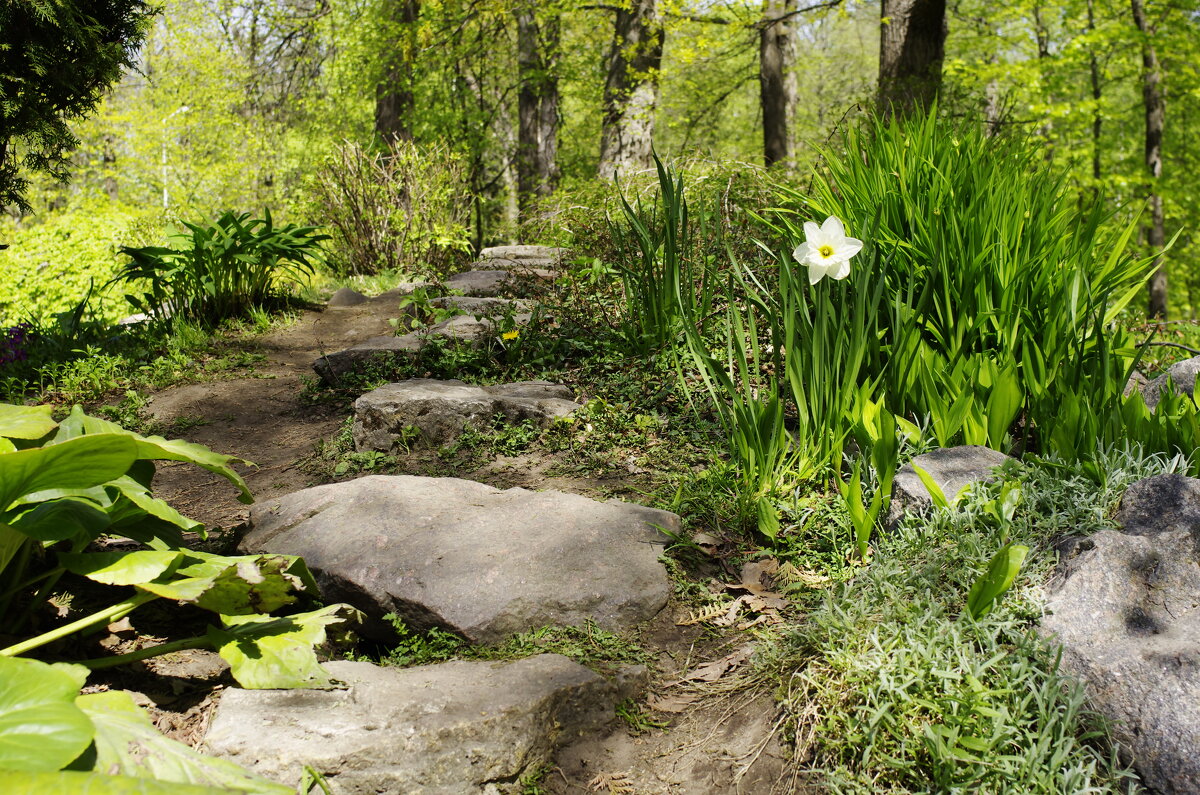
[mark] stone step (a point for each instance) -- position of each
(439, 411)
(449, 729)
(481, 282)
(535, 256)
(470, 558)
(465, 328)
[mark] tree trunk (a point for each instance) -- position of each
(631, 91)
(537, 108)
(777, 84)
(912, 43)
(1155, 104)
(394, 99)
(1094, 65)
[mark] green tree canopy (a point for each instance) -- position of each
(57, 58)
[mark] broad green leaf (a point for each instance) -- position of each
(6, 446)
(121, 568)
(69, 782)
(26, 422)
(57, 520)
(1002, 570)
(157, 448)
(127, 743)
(75, 464)
(11, 540)
(41, 729)
(268, 653)
(242, 585)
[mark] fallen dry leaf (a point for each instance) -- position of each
(615, 783)
(674, 703)
(712, 671)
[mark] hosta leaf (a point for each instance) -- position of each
(26, 422)
(75, 783)
(41, 729)
(235, 585)
(121, 568)
(269, 653)
(75, 464)
(157, 448)
(127, 743)
(57, 520)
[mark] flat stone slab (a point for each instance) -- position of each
(528, 256)
(1126, 608)
(439, 411)
(951, 468)
(333, 366)
(461, 555)
(447, 729)
(480, 282)
(465, 328)
(483, 307)
(345, 296)
(1181, 374)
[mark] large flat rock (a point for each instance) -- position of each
(1126, 608)
(448, 729)
(386, 418)
(484, 563)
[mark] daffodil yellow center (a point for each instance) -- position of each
(825, 251)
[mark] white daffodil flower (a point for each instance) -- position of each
(826, 250)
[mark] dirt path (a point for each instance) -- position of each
(262, 418)
(719, 744)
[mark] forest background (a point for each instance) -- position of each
(503, 114)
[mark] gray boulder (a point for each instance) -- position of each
(1181, 374)
(448, 729)
(456, 554)
(344, 296)
(440, 410)
(951, 468)
(480, 282)
(1126, 608)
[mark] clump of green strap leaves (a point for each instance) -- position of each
(62, 486)
(222, 269)
(980, 311)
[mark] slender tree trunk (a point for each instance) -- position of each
(394, 99)
(777, 84)
(537, 108)
(912, 44)
(631, 90)
(1094, 66)
(1156, 110)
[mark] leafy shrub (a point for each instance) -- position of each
(221, 270)
(403, 208)
(52, 258)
